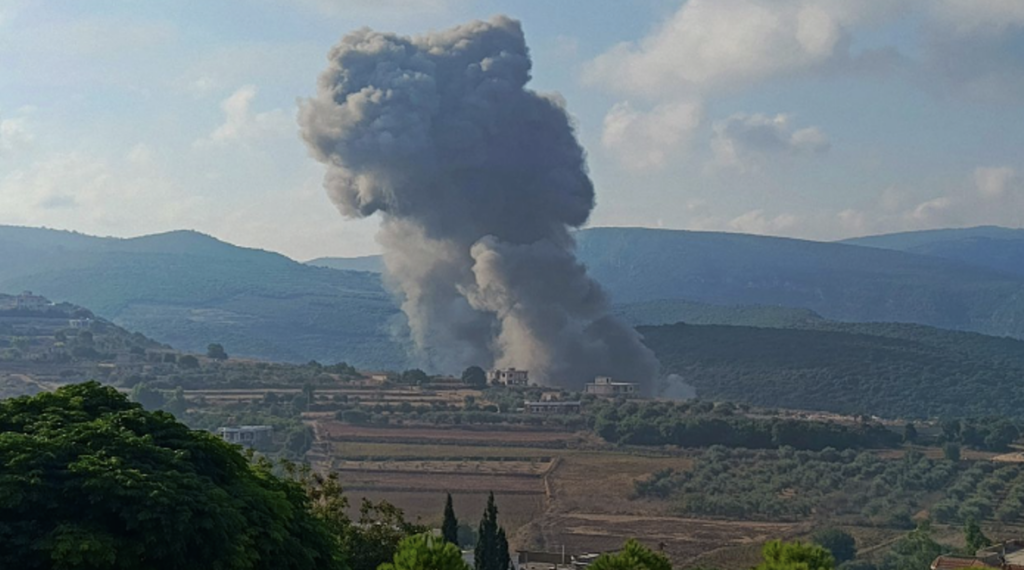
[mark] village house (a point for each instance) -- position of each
(247, 436)
(553, 407)
(509, 377)
(605, 386)
(1008, 555)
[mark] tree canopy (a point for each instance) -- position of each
(780, 555)
(633, 556)
(92, 480)
(474, 376)
(425, 552)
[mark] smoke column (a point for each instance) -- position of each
(479, 182)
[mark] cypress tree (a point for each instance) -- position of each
(450, 526)
(492, 546)
(504, 560)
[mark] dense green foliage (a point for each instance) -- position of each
(426, 552)
(90, 480)
(633, 556)
(671, 311)
(780, 555)
(915, 551)
(837, 281)
(839, 542)
(702, 424)
(450, 524)
(859, 488)
(882, 369)
(491, 552)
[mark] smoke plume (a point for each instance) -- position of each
(479, 182)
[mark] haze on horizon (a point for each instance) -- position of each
(821, 119)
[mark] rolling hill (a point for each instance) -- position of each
(189, 290)
(838, 281)
(889, 370)
(1000, 249)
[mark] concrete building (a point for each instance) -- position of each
(509, 377)
(247, 436)
(553, 407)
(605, 386)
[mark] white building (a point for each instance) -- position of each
(247, 436)
(605, 386)
(509, 377)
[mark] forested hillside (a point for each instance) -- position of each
(882, 369)
(838, 281)
(189, 290)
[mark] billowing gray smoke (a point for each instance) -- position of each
(479, 181)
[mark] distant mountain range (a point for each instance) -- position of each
(189, 289)
(1001, 249)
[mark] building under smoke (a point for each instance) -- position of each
(479, 182)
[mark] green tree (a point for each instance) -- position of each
(491, 551)
(425, 552)
(375, 540)
(188, 362)
(909, 433)
(216, 352)
(415, 376)
(915, 551)
(475, 377)
(633, 556)
(381, 526)
(177, 404)
(780, 555)
(450, 525)
(840, 543)
(974, 537)
(149, 397)
(92, 480)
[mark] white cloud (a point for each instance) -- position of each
(745, 141)
(242, 125)
(641, 139)
(91, 194)
(14, 135)
(969, 48)
(994, 183)
(757, 222)
(714, 44)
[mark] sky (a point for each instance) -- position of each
(818, 119)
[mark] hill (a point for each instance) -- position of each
(189, 290)
(991, 247)
(889, 370)
(671, 311)
(835, 280)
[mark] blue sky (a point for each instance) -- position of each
(821, 119)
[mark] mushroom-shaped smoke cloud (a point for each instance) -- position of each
(479, 181)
